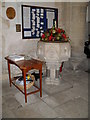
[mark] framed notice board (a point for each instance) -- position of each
(35, 20)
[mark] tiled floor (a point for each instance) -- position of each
(67, 100)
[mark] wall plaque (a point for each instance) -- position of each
(10, 12)
(18, 27)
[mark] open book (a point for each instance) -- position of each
(16, 57)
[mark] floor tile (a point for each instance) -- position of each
(6, 112)
(77, 108)
(78, 90)
(67, 100)
(30, 99)
(36, 110)
(56, 99)
(53, 89)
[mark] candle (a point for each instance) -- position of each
(55, 23)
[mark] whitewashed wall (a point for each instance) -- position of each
(89, 11)
(0, 40)
(71, 18)
(12, 42)
(0, 63)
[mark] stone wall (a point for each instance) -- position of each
(0, 40)
(89, 17)
(0, 63)
(12, 42)
(72, 17)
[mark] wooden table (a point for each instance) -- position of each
(25, 66)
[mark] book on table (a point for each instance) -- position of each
(16, 57)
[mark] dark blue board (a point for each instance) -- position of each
(38, 21)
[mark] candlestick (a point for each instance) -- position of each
(55, 24)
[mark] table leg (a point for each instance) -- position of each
(40, 73)
(24, 75)
(9, 72)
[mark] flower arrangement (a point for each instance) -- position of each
(55, 34)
